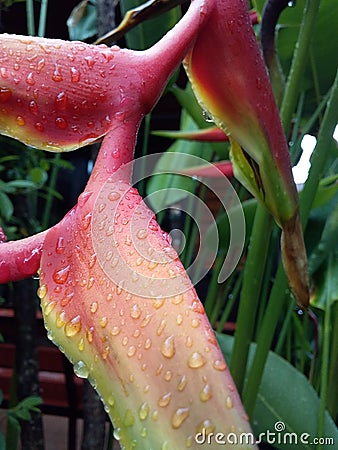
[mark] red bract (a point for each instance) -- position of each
(231, 83)
(114, 295)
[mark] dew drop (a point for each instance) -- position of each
(111, 400)
(74, 75)
(30, 79)
(61, 101)
(158, 302)
(131, 351)
(42, 291)
(5, 94)
(142, 233)
(39, 126)
(152, 265)
(168, 375)
(135, 311)
(60, 276)
(60, 319)
(73, 327)
(139, 261)
(220, 365)
(40, 65)
(3, 72)
(206, 427)
(115, 331)
(60, 245)
(20, 121)
(182, 383)
(143, 411)
(164, 400)
(81, 345)
(177, 299)
(229, 402)
(49, 308)
(147, 343)
(161, 327)
(103, 321)
(179, 319)
(57, 76)
(196, 360)
(113, 196)
(168, 348)
(61, 123)
(195, 323)
(205, 393)
(89, 334)
(179, 416)
(94, 307)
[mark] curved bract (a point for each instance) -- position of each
(231, 82)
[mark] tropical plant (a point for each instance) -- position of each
(114, 295)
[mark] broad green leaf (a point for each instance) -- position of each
(6, 206)
(285, 397)
(82, 22)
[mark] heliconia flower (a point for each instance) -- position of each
(231, 82)
(114, 295)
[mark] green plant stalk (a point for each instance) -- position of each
(213, 286)
(251, 289)
(30, 17)
(50, 197)
(280, 287)
(332, 389)
(230, 303)
(43, 18)
(285, 326)
(324, 369)
(299, 60)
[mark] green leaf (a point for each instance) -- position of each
(6, 206)
(285, 397)
(20, 184)
(2, 441)
(12, 435)
(38, 175)
(327, 188)
(82, 23)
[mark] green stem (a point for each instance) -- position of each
(43, 18)
(30, 17)
(230, 303)
(299, 60)
(332, 390)
(251, 289)
(213, 285)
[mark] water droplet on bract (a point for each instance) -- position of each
(116, 153)
(291, 3)
(142, 233)
(111, 400)
(90, 61)
(5, 94)
(205, 393)
(40, 65)
(207, 116)
(57, 76)
(220, 365)
(20, 121)
(73, 327)
(30, 79)
(61, 123)
(117, 433)
(113, 196)
(89, 335)
(49, 308)
(143, 411)
(179, 416)
(74, 75)
(229, 402)
(168, 349)
(60, 276)
(206, 426)
(103, 321)
(158, 302)
(196, 360)
(135, 312)
(131, 351)
(61, 101)
(60, 245)
(164, 400)
(177, 299)
(60, 319)
(81, 345)
(94, 307)
(115, 331)
(33, 107)
(42, 291)
(182, 383)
